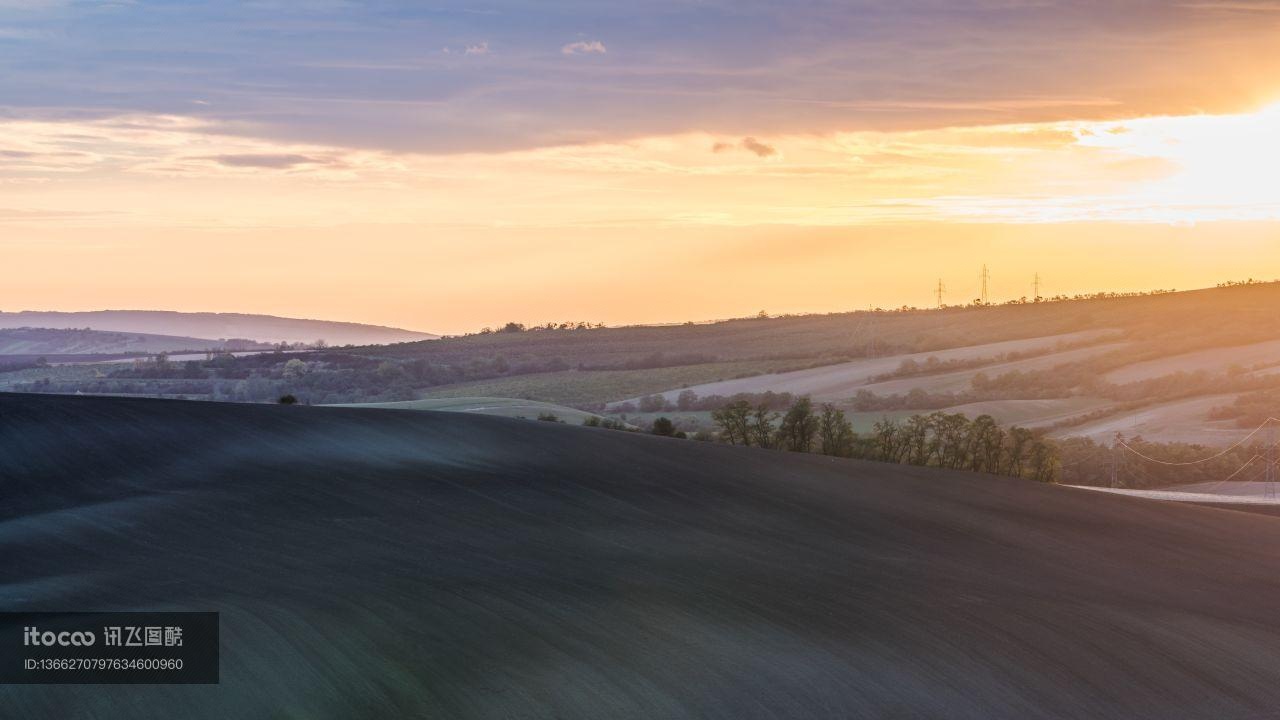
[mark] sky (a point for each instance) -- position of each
(444, 166)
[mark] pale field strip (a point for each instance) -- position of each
(1176, 421)
(1212, 360)
(1193, 497)
(842, 380)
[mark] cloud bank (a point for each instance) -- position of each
(356, 74)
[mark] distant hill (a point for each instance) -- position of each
(1210, 317)
(379, 564)
(215, 326)
(1197, 366)
(1160, 365)
(53, 342)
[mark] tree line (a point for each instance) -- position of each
(939, 439)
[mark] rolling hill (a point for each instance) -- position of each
(371, 564)
(1080, 367)
(1210, 317)
(501, 407)
(47, 341)
(263, 328)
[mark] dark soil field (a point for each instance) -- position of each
(394, 564)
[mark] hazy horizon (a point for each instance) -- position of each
(950, 302)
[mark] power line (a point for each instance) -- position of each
(1214, 488)
(1240, 469)
(986, 276)
(941, 289)
(1241, 441)
(1268, 469)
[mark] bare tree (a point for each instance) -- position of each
(835, 434)
(734, 422)
(762, 432)
(799, 425)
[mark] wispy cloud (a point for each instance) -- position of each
(759, 148)
(165, 145)
(584, 47)
(266, 161)
(749, 144)
(481, 48)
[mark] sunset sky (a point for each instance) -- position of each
(443, 166)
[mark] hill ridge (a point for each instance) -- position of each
(371, 563)
(215, 325)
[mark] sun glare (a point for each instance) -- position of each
(1222, 166)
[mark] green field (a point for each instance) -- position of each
(53, 372)
(690, 421)
(502, 407)
(584, 387)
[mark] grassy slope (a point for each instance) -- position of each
(1032, 413)
(1217, 316)
(1155, 328)
(840, 381)
(389, 564)
(961, 380)
(60, 372)
(576, 387)
(501, 407)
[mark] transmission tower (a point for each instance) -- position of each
(1271, 462)
(986, 276)
(1036, 294)
(940, 289)
(1115, 462)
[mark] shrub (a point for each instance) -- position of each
(663, 426)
